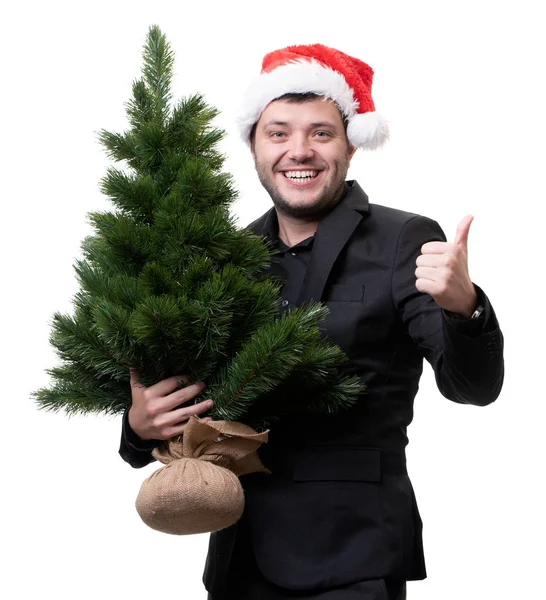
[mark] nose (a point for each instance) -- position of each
(300, 148)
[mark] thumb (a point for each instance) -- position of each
(461, 237)
(134, 377)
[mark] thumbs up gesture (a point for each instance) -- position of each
(442, 272)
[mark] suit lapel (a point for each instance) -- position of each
(331, 237)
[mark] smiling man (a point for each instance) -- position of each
(337, 519)
(302, 154)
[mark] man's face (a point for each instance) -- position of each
(302, 155)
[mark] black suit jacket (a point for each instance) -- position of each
(339, 506)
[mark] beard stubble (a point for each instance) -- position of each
(323, 204)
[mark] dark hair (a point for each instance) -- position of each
(298, 98)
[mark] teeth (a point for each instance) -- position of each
(300, 174)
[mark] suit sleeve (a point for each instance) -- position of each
(134, 450)
(466, 354)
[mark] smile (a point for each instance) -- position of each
(301, 176)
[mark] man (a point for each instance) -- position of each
(337, 519)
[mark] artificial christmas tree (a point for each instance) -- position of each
(169, 285)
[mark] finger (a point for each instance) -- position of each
(431, 273)
(179, 397)
(461, 236)
(180, 428)
(183, 414)
(431, 260)
(166, 386)
(437, 248)
(427, 286)
(134, 378)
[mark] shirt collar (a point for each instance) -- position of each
(303, 245)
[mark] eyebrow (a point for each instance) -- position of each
(285, 124)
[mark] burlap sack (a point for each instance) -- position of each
(198, 489)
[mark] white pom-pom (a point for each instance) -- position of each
(368, 131)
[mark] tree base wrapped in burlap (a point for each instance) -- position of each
(198, 490)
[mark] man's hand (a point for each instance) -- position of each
(156, 414)
(442, 272)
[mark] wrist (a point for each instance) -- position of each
(469, 309)
(133, 439)
(474, 309)
(134, 429)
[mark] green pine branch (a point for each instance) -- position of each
(157, 70)
(170, 285)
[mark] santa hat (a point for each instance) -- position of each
(323, 71)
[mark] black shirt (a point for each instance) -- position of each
(292, 264)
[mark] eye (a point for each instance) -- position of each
(322, 134)
(277, 134)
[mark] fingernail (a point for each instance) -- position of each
(209, 403)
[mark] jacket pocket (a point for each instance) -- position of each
(338, 464)
(345, 293)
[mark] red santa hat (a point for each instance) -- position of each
(326, 72)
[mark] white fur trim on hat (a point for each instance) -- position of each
(298, 77)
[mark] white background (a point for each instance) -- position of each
(462, 86)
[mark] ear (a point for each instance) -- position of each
(351, 151)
